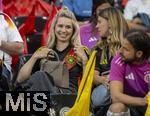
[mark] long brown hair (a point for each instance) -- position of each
(118, 26)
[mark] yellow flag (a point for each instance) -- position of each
(148, 107)
(82, 103)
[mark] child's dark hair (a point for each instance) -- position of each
(97, 3)
(140, 40)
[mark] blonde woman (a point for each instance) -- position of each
(63, 37)
(111, 26)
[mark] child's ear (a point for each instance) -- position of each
(139, 54)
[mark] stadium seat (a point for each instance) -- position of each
(33, 42)
(39, 22)
(61, 103)
(21, 61)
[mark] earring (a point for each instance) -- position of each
(110, 31)
(109, 35)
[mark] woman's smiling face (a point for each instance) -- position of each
(64, 29)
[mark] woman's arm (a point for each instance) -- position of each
(100, 79)
(26, 70)
(79, 50)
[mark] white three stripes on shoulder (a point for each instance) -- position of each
(119, 61)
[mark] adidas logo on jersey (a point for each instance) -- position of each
(92, 39)
(130, 76)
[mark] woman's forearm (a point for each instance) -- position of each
(26, 70)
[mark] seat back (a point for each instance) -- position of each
(39, 22)
(61, 103)
(22, 60)
(33, 42)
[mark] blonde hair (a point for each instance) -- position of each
(117, 27)
(64, 12)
